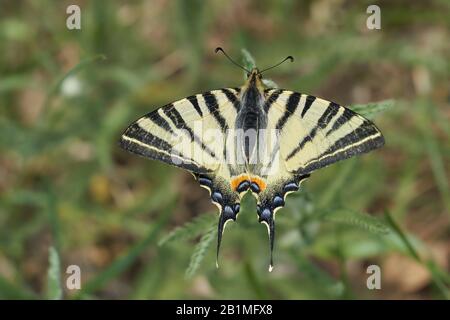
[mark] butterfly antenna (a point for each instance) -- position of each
(291, 58)
(229, 58)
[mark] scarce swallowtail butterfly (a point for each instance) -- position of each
(251, 138)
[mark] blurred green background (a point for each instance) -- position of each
(66, 95)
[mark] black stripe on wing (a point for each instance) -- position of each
(138, 133)
(343, 118)
(179, 123)
(139, 141)
(363, 139)
(232, 98)
(308, 103)
(213, 107)
(291, 106)
(156, 118)
(323, 121)
(194, 101)
(271, 99)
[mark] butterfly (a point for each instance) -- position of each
(251, 138)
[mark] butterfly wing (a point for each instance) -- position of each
(182, 133)
(312, 133)
(317, 133)
(191, 133)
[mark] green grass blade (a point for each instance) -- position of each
(270, 83)
(254, 282)
(189, 230)
(54, 289)
(396, 228)
(431, 144)
(247, 60)
(436, 277)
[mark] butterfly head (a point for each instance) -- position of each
(254, 73)
(253, 88)
(254, 77)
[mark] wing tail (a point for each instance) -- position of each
(225, 199)
(270, 201)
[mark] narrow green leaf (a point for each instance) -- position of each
(248, 60)
(190, 230)
(412, 251)
(200, 251)
(358, 219)
(432, 147)
(54, 290)
(270, 83)
(369, 110)
(53, 218)
(436, 276)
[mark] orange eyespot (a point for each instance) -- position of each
(235, 182)
(260, 182)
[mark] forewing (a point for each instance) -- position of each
(315, 133)
(187, 133)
